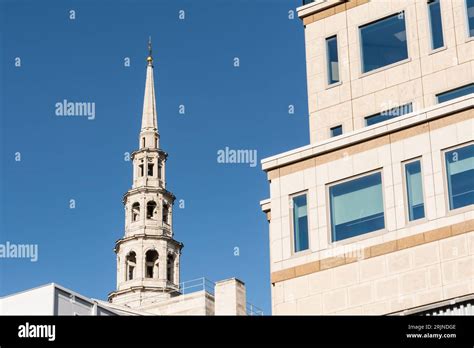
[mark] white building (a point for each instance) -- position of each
(375, 215)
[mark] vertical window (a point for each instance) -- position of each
(150, 169)
(300, 223)
(143, 142)
(455, 93)
(170, 268)
(414, 187)
(470, 16)
(150, 210)
(335, 131)
(383, 42)
(165, 213)
(436, 24)
(159, 170)
(140, 167)
(333, 60)
(130, 262)
(460, 176)
(135, 211)
(151, 264)
(357, 207)
(389, 114)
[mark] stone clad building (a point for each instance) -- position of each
(375, 215)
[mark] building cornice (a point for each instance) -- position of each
(366, 134)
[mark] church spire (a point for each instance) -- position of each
(149, 131)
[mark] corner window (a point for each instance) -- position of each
(455, 93)
(389, 114)
(383, 42)
(470, 16)
(436, 24)
(300, 223)
(333, 60)
(414, 190)
(460, 176)
(356, 207)
(335, 131)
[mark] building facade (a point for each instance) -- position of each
(375, 215)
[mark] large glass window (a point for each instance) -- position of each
(357, 207)
(455, 93)
(436, 24)
(333, 60)
(389, 114)
(383, 42)
(470, 16)
(300, 223)
(414, 186)
(460, 176)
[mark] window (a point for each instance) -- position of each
(436, 24)
(143, 142)
(140, 167)
(455, 93)
(389, 114)
(130, 262)
(170, 268)
(460, 176)
(159, 170)
(383, 42)
(135, 211)
(165, 213)
(150, 169)
(151, 264)
(333, 60)
(150, 209)
(300, 223)
(356, 207)
(470, 16)
(413, 181)
(335, 131)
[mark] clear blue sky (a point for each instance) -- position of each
(75, 158)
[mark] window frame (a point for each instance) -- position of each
(362, 236)
(405, 191)
(292, 228)
(400, 107)
(468, 29)
(361, 51)
(338, 83)
(430, 26)
(443, 152)
(436, 96)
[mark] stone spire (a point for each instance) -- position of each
(148, 268)
(149, 136)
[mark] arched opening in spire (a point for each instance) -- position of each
(135, 211)
(170, 268)
(130, 264)
(151, 264)
(151, 210)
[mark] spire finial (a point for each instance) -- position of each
(149, 58)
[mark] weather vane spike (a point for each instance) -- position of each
(149, 58)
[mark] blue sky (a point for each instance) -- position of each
(65, 158)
